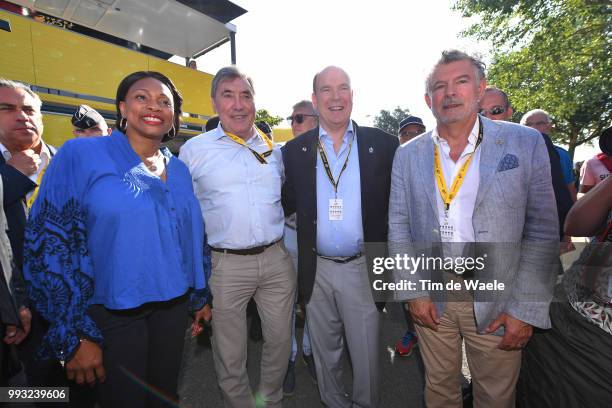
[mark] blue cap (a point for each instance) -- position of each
(409, 121)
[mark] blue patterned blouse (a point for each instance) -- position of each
(104, 230)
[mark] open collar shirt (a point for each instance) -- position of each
(240, 198)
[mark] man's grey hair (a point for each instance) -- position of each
(502, 93)
(7, 83)
(529, 114)
(305, 104)
(231, 72)
(449, 56)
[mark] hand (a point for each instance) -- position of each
(26, 162)
(516, 334)
(15, 334)
(424, 313)
(204, 314)
(86, 365)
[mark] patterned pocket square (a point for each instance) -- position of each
(509, 162)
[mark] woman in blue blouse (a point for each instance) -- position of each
(115, 252)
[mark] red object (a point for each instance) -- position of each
(606, 160)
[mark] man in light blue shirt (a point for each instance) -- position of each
(237, 174)
(337, 181)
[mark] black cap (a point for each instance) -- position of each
(409, 121)
(86, 117)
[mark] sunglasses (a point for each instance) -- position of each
(299, 118)
(496, 110)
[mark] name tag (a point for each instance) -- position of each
(447, 232)
(335, 209)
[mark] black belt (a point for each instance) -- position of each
(249, 251)
(341, 259)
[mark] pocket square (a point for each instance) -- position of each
(509, 162)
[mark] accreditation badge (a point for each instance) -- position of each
(335, 209)
(447, 231)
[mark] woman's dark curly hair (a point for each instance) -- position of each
(127, 83)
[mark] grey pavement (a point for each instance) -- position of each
(401, 377)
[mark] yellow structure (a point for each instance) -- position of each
(68, 69)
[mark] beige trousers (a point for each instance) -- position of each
(494, 371)
(270, 278)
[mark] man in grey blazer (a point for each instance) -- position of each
(473, 188)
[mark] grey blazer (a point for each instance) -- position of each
(515, 205)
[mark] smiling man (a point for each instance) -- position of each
(476, 181)
(337, 181)
(237, 174)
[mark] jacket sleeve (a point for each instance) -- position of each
(532, 290)
(57, 265)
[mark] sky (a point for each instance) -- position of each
(386, 46)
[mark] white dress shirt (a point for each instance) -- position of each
(240, 198)
(462, 206)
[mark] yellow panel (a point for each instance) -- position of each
(282, 134)
(193, 85)
(57, 130)
(76, 63)
(16, 49)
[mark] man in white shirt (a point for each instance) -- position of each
(237, 174)
(473, 189)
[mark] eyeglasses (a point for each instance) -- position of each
(299, 117)
(496, 110)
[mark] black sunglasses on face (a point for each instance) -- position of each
(299, 118)
(496, 110)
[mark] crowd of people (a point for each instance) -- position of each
(109, 243)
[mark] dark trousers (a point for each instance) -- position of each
(142, 353)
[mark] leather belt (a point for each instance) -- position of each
(341, 259)
(249, 251)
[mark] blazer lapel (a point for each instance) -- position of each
(308, 153)
(366, 157)
(426, 167)
(493, 147)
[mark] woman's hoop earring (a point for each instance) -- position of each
(123, 124)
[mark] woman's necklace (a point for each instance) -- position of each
(152, 163)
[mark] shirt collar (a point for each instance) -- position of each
(349, 131)
(221, 133)
(472, 137)
(45, 153)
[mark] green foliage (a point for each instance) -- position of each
(389, 121)
(553, 55)
(262, 114)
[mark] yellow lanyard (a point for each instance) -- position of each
(32, 198)
(259, 156)
(447, 196)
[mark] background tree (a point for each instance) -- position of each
(389, 121)
(262, 114)
(553, 55)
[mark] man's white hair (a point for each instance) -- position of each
(529, 114)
